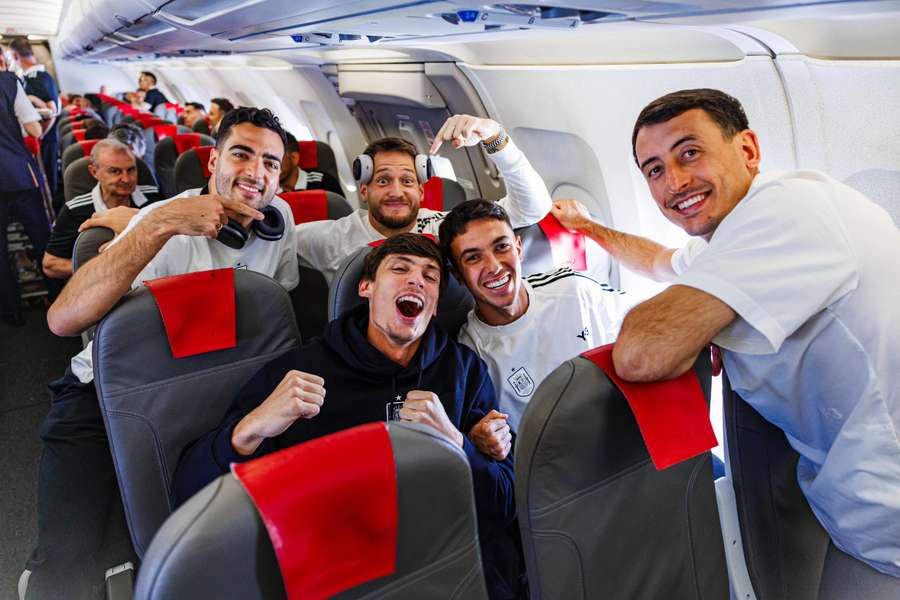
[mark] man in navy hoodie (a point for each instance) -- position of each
(382, 360)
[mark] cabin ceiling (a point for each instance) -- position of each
(30, 17)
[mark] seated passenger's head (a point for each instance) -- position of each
(484, 252)
(113, 165)
(403, 279)
(138, 97)
(291, 162)
(395, 192)
(146, 81)
(92, 102)
(96, 131)
(193, 112)
(218, 108)
(698, 154)
(132, 136)
(246, 162)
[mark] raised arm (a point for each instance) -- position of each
(637, 253)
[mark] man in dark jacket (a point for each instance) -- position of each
(384, 360)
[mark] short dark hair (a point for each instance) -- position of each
(725, 111)
(412, 244)
(290, 142)
(21, 46)
(259, 117)
(224, 104)
(96, 131)
(391, 144)
(150, 75)
(196, 105)
(94, 99)
(456, 221)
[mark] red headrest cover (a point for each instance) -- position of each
(672, 415)
(309, 155)
(185, 141)
(87, 146)
(202, 153)
(434, 194)
(308, 205)
(163, 131)
(197, 310)
(78, 134)
(330, 508)
(567, 247)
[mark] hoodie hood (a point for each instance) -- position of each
(346, 336)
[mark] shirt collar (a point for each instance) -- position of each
(34, 69)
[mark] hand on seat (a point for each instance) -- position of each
(465, 130)
(492, 435)
(299, 396)
(115, 218)
(426, 408)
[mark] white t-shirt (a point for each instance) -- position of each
(187, 254)
(812, 267)
(567, 314)
(24, 109)
(323, 245)
(684, 256)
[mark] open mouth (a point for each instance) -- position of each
(410, 306)
(498, 283)
(690, 205)
(250, 189)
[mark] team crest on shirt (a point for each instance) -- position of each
(521, 382)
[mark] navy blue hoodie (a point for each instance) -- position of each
(360, 382)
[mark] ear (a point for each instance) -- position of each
(364, 192)
(365, 288)
(519, 246)
(92, 169)
(213, 158)
(750, 149)
(295, 157)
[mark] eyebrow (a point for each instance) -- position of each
(384, 167)
(494, 243)
(687, 138)
(408, 260)
(250, 150)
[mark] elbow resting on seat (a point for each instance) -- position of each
(634, 365)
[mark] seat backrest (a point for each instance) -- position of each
(192, 169)
(442, 194)
(167, 152)
(201, 126)
(77, 180)
(547, 246)
(597, 519)
(310, 299)
(453, 307)
(87, 245)
(76, 151)
(784, 544)
(216, 546)
(318, 156)
(154, 405)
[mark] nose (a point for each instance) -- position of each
(255, 169)
(491, 263)
(677, 178)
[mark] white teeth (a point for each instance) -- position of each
(249, 188)
(412, 299)
(690, 201)
(499, 283)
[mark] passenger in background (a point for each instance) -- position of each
(218, 108)
(40, 84)
(147, 85)
(114, 167)
(523, 328)
(77, 490)
(294, 178)
(384, 359)
(132, 136)
(138, 100)
(193, 112)
(96, 131)
(394, 194)
(798, 287)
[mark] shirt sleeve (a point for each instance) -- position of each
(64, 234)
(25, 112)
(780, 257)
(527, 200)
(684, 256)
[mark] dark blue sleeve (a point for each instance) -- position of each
(493, 481)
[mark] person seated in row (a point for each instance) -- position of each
(96, 131)
(522, 327)
(132, 136)
(796, 284)
(77, 488)
(193, 112)
(147, 91)
(113, 165)
(383, 360)
(394, 194)
(91, 104)
(218, 108)
(293, 178)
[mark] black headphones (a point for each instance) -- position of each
(271, 229)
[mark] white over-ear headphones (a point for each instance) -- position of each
(364, 168)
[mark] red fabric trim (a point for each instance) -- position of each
(78, 134)
(307, 206)
(197, 310)
(433, 197)
(87, 146)
(567, 247)
(309, 155)
(164, 131)
(672, 415)
(185, 141)
(377, 243)
(33, 144)
(330, 508)
(202, 153)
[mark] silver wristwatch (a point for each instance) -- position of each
(496, 144)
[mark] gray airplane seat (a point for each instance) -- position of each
(598, 520)
(547, 246)
(192, 169)
(153, 403)
(167, 152)
(202, 126)
(77, 180)
(216, 545)
(76, 134)
(442, 194)
(87, 245)
(75, 151)
(317, 156)
(310, 298)
(453, 307)
(789, 555)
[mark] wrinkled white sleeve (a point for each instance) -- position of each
(25, 112)
(684, 256)
(527, 200)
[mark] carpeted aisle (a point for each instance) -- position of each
(30, 357)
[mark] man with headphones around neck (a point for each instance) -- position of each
(77, 488)
(390, 174)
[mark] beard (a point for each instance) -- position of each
(395, 222)
(225, 186)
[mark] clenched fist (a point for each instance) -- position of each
(425, 407)
(492, 435)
